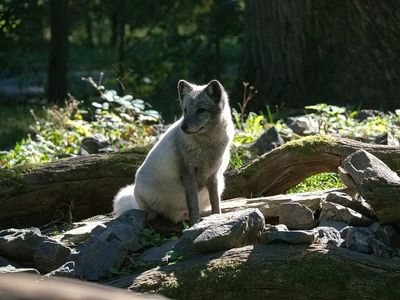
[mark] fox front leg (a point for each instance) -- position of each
(190, 185)
(212, 186)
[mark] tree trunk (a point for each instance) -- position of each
(273, 51)
(296, 52)
(84, 186)
(275, 271)
(58, 55)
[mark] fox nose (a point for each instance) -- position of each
(184, 127)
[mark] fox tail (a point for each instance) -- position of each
(124, 200)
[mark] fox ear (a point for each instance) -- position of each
(214, 90)
(184, 87)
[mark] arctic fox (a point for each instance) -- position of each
(183, 173)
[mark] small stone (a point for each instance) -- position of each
(303, 125)
(80, 234)
(328, 235)
(379, 248)
(345, 200)
(386, 138)
(279, 227)
(345, 231)
(331, 223)
(50, 255)
(386, 234)
(296, 216)
(20, 244)
(367, 113)
(291, 237)
(340, 213)
(269, 140)
(242, 228)
(357, 239)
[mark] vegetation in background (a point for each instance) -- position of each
(119, 121)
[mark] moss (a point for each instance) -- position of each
(313, 276)
(310, 144)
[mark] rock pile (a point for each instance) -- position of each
(363, 220)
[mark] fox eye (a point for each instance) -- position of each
(200, 110)
(184, 110)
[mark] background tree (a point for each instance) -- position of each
(58, 55)
(299, 52)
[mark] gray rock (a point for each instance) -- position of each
(362, 164)
(303, 125)
(296, 216)
(386, 234)
(376, 183)
(331, 223)
(11, 269)
(340, 213)
(357, 239)
(345, 231)
(367, 113)
(269, 140)
(279, 227)
(386, 138)
(108, 246)
(292, 237)
(49, 255)
(20, 244)
(79, 234)
(328, 235)
(5, 262)
(345, 200)
(240, 229)
(379, 248)
(93, 144)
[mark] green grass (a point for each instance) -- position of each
(317, 182)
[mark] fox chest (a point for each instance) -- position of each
(205, 161)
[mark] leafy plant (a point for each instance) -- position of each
(149, 238)
(120, 121)
(173, 257)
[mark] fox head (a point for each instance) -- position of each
(202, 105)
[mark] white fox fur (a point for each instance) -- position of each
(183, 172)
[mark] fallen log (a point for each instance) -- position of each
(80, 187)
(277, 171)
(275, 271)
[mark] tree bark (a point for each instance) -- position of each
(58, 56)
(275, 271)
(80, 187)
(299, 51)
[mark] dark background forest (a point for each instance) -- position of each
(293, 52)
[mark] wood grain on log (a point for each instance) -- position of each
(275, 271)
(84, 186)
